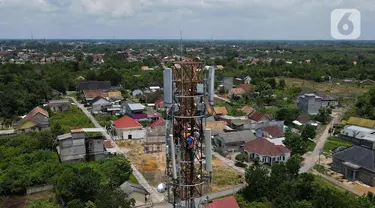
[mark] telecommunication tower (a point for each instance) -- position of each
(188, 89)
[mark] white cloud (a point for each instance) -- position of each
(251, 19)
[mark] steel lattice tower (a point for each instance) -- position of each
(187, 115)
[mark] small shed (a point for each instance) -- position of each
(136, 192)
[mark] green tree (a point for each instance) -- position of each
(242, 157)
(112, 198)
(78, 183)
(57, 129)
(47, 140)
(282, 84)
(308, 132)
(257, 180)
(272, 82)
(288, 115)
(295, 143)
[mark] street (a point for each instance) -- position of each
(312, 159)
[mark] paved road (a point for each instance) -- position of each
(312, 159)
(210, 196)
(155, 196)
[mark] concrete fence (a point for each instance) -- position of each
(38, 189)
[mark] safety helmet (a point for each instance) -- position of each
(188, 134)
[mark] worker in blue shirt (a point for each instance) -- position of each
(190, 142)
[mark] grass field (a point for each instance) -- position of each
(333, 88)
(333, 142)
(71, 119)
(327, 184)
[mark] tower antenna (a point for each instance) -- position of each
(180, 45)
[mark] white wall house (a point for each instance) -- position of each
(128, 128)
(266, 151)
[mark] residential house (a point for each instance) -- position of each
(137, 192)
(76, 146)
(304, 119)
(135, 110)
(112, 109)
(127, 128)
(232, 141)
(367, 123)
(368, 82)
(216, 125)
(94, 85)
(59, 105)
(266, 152)
(358, 135)
(328, 100)
(36, 120)
(257, 117)
(355, 163)
(248, 110)
(114, 96)
(98, 58)
(236, 93)
(226, 202)
(217, 110)
(92, 94)
(56, 94)
(310, 103)
(98, 103)
(151, 114)
(246, 87)
(271, 132)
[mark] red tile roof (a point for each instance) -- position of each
(262, 146)
(238, 91)
(159, 122)
(257, 116)
(126, 122)
(227, 202)
(274, 131)
(246, 87)
(31, 114)
(303, 119)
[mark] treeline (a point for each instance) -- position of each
(284, 187)
(22, 87)
(365, 106)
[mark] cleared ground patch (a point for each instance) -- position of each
(152, 166)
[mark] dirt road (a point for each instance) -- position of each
(312, 159)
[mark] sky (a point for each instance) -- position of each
(163, 19)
